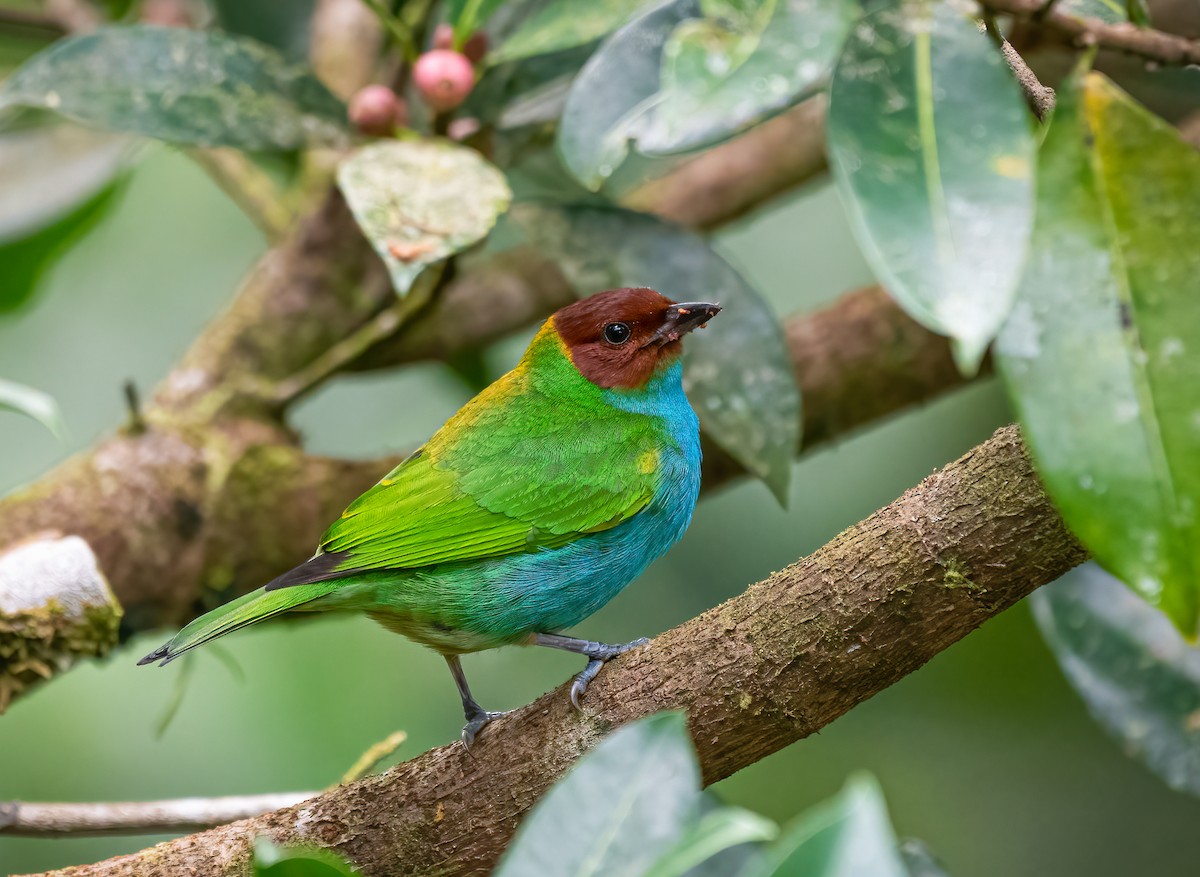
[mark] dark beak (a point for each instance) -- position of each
(682, 318)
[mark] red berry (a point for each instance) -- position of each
(476, 47)
(377, 110)
(443, 37)
(444, 78)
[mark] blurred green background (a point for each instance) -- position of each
(985, 753)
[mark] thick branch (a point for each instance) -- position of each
(177, 524)
(1153, 45)
(729, 181)
(754, 674)
(137, 817)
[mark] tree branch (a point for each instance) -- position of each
(20, 819)
(1153, 45)
(727, 182)
(755, 674)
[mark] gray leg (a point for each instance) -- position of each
(596, 653)
(476, 715)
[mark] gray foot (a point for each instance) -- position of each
(476, 723)
(596, 653)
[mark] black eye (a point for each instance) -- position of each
(617, 333)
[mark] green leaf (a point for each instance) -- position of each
(676, 79)
(468, 16)
(621, 807)
(716, 832)
(1138, 677)
(419, 202)
(56, 182)
(184, 86)
(737, 373)
(847, 836)
(32, 403)
(1100, 355)
(281, 24)
(614, 92)
(552, 27)
(931, 147)
(717, 80)
(272, 860)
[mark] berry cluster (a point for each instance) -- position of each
(442, 76)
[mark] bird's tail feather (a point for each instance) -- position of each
(242, 612)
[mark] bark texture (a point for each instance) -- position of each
(765, 669)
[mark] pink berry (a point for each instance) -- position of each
(377, 110)
(443, 37)
(444, 78)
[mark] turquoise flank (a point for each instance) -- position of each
(468, 606)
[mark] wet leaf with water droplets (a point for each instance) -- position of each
(419, 202)
(687, 75)
(1138, 677)
(737, 373)
(1102, 353)
(848, 835)
(621, 807)
(183, 86)
(932, 150)
(717, 80)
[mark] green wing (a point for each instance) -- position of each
(516, 470)
(425, 512)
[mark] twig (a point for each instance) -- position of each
(136, 422)
(20, 21)
(380, 328)
(23, 819)
(1039, 97)
(249, 187)
(1153, 45)
(377, 753)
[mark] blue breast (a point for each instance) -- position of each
(554, 590)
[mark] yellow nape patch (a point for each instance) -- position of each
(647, 462)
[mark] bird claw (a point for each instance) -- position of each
(597, 658)
(475, 724)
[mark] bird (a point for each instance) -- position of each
(537, 503)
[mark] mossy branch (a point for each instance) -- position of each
(755, 674)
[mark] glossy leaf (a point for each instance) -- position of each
(272, 860)
(621, 807)
(419, 202)
(1101, 356)
(610, 99)
(689, 74)
(931, 147)
(184, 86)
(847, 836)
(1137, 675)
(552, 27)
(717, 81)
(56, 181)
(717, 831)
(737, 373)
(32, 403)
